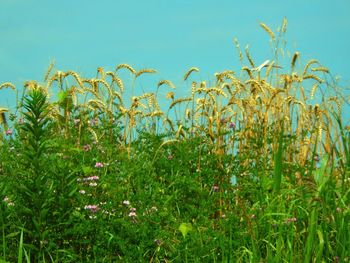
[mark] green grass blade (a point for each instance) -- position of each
(278, 164)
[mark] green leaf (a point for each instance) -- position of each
(87, 169)
(185, 228)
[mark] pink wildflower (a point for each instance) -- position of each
(9, 132)
(132, 214)
(99, 165)
(215, 188)
(92, 208)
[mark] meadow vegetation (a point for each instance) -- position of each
(252, 166)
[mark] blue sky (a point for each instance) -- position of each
(170, 36)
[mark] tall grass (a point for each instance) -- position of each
(247, 167)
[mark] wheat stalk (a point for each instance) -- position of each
(268, 30)
(179, 101)
(48, 71)
(236, 43)
(311, 76)
(143, 71)
(321, 69)
(167, 82)
(126, 66)
(188, 73)
(116, 79)
(7, 85)
(312, 61)
(251, 62)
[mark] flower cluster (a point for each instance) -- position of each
(132, 213)
(99, 165)
(92, 208)
(8, 201)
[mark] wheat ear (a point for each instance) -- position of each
(188, 73)
(268, 30)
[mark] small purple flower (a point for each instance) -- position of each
(9, 132)
(232, 125)
(91, 178)
(99, 165)
(132, 209)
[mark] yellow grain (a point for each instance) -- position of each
(143, 71)
(126, 66)
(48, 71)
(312, 61)
(268, 30)
(321, 69)
(311, 76)
(269, 68)
(313, 90)
(251, 62)
(188, 73)
(116, 79)
(7, 85)
(179, 101)
(236, 43)
(167, 82)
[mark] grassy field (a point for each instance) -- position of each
(252, 166)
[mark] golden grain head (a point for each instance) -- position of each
(143, 71)
(126, 66)
(320, 69)
(236, 43)
(312, 61)
(284, 25)
(251, 62)
(189, 72)
(170, 95)
(314, 77)
(179, 101)
(268, 30)
(166, 82)
(7, 85)
(48, 71)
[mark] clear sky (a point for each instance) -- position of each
(170, 36)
